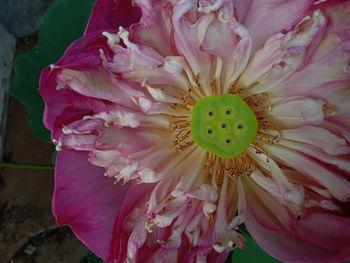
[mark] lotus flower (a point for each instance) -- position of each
(178, 121)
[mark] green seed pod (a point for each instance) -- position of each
(223, 125)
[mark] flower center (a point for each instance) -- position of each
(223, 125)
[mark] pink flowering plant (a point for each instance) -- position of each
(178, 121)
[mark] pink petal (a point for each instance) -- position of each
(322, 243)
(77, 203)
(198, 256)
(265, 18)
(285, 247)
(242, 8)
(336, 237)
(110, 14)
(215, 257)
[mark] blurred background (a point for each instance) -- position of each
(28, 232)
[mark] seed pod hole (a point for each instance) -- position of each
(227, 140)
(209, 131)
(240, 126)
(228, 112)
(210, 113)
(223, 125)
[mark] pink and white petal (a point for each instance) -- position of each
(204, 254)
(340, 128)
(69, 114)
(337, 114)
(297, 112)
(224, 237)
(318, 137)
(82, 55)
(157, 76)
(90, 213)
(110, 14)
(263, 61)
(103, 158)
(283, 54)
(125, 140)
(318, 154)
(330, 68)
(134, 202)
(121, 61)
(137, 239)
(82, 126)
(154, 29)
(265, 208)
(140, 55)
(293, 198)
(292, 60)
(185, 34)
(340, 18)
(266, 18)
(214, 42)
(188, 38)
(240, 56)
(96, 84)
(336, 184)
(79, 142)
(337, 13)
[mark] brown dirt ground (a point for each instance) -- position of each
(28, 231)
